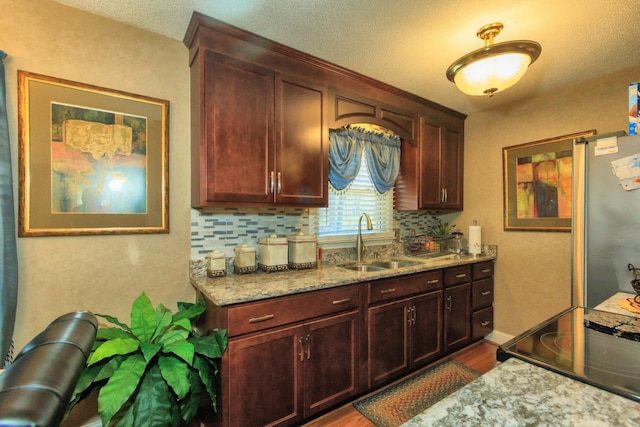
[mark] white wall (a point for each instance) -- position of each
(533, 270)
(103, 274)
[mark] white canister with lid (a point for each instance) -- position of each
(302, 251)
(245, 259)
(216, 264)
(273, 254)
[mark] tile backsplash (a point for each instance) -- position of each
(226, 228)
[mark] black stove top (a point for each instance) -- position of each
(592, 346)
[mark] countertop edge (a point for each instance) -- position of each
(243, 288)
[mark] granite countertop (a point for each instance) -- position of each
(238, 288)
(517, 393)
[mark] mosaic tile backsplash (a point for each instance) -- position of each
(224, 229)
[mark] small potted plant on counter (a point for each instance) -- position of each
(156, 371)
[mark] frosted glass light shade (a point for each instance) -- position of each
(492, 74)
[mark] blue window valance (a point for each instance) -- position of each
(346, 146)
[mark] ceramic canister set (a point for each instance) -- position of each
(296, 252)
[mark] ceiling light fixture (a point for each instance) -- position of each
(495, 67)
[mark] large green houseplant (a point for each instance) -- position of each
(155, 372)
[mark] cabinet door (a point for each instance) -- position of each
(237, 136)
(302, 162)
(441, 165)
(388, 342)
(426, 328)
(451, 167)
(457, 316)
(263, 383)
(331, 362)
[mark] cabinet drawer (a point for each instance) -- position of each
(457, 275)
(482, 293)
(482, 323)
(257, 316)
(482, 270)
(388, 289)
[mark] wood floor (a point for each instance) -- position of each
(481, 357)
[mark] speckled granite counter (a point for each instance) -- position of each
(235, 289)
(517, 393)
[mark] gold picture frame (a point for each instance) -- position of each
(538, 184)
(91, 160)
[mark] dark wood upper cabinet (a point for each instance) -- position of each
(261, 113)
(350, 109)
(431, 173)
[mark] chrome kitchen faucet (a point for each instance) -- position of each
(359, 244)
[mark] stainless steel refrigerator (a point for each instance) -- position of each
(606, 216)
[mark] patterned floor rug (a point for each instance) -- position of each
(402, 401)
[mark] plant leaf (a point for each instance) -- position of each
(176, 373)
(191, 403)
(183, 349)
(179, 330)
(155, 403)
(113, 347)
(115, 393)
(143, 318)
(207, 376)
(112, 333)
(212, 345)
(109, 368)
(115, 321)
(164, 317)
(190, 311)
(149, 350)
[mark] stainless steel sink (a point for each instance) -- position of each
(364, 267)
(395, 264)
(380, 265)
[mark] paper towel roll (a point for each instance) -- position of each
(475, 239)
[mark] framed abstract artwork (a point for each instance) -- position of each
(538, 184)
(91, 160)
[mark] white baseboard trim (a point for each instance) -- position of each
(498, 337)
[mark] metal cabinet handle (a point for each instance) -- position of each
(486, 270)
(449, 303)
(279, 182)
(341, 301)
(308, 343)
(272, 183)
(446, 195)
(485, 323)
(301, 354)
(485, 293)
(460, 276)
(261, 318)
(442, 195)
(433, 282)
(411, 315)
(387, 291)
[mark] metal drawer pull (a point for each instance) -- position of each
(485, 323)
(460, 276)
(388, 291)
(485, 293)
(433, 282)
(261, 318)
(486, 270)
(341, 301)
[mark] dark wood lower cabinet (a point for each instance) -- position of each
(293, 357)
(292, 373)
(403, 335)
(457, 316)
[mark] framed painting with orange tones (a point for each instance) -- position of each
(91, 160)
(538, 184)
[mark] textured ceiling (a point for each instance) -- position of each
(410, 43)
